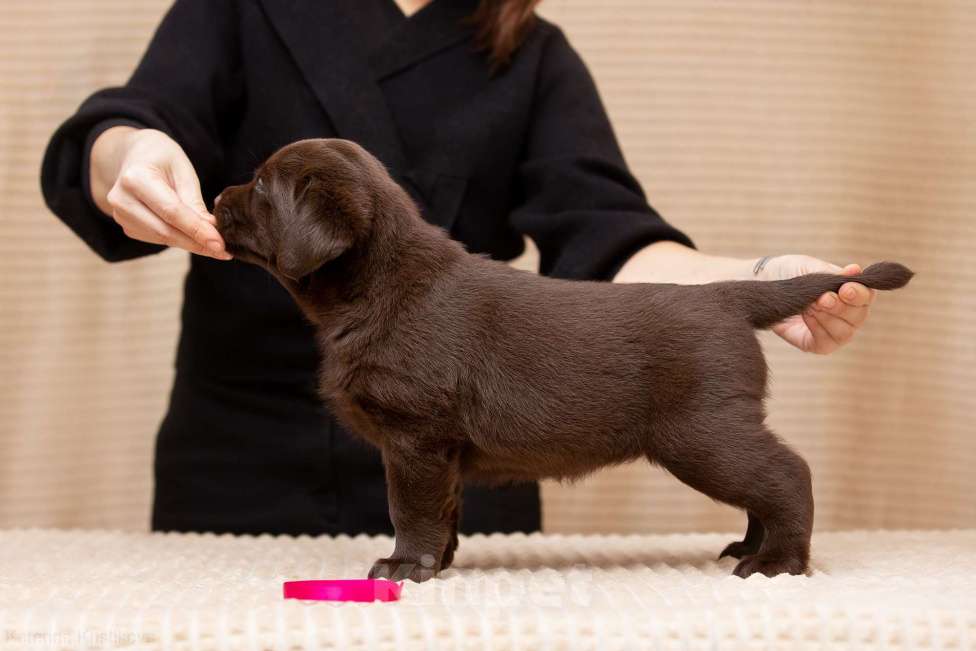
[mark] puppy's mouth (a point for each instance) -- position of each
(226, 227)
(245, 253)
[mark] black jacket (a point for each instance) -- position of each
(246, 446)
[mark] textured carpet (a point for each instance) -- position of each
(840, 129)
(113, 590)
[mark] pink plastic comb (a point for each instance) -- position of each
(343, 590)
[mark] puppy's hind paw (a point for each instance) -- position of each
(769, 566)
(400, 569)
(448, 556)
(739, 549)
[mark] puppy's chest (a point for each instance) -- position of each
(374, 397)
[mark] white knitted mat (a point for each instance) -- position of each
(113, 590)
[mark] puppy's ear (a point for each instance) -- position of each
(314, 236)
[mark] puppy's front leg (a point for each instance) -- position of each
(422, 485)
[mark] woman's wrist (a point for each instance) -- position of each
(107, 153)
(670, 262)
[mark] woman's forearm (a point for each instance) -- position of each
(670, 262)
(107, 154)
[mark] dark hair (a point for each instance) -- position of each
(501, 26)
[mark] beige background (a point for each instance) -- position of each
(841, 129)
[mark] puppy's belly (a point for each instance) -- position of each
(530, 465)
(559, 431)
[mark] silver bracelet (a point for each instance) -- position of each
(761, 264)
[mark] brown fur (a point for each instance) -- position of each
(460, 368)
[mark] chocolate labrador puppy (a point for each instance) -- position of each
(460, 368)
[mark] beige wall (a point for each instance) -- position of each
(842, 129)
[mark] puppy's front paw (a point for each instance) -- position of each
(399, 569)
(770, 566)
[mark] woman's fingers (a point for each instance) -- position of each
(851, 303)
(853, 293)
(796, 332)
(188, 189)
(822, 341)
(833, 304)
(834, 318)
(154, 193)
(856, 295)
(140, 223)
(855, 316)
(839, 329)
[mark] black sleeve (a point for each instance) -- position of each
(580, 204)
(186, 82)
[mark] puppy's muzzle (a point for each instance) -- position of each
(223, 209)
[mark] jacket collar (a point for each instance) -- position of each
(436, 27)
(321, 36)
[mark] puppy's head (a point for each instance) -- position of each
(309, 203)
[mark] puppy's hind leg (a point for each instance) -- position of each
(421, 484)
(454, 519)
(750, 468)
(755, 533)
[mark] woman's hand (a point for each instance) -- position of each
(833, 320)
(145, 182)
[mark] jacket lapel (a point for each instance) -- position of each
(322, 40)
(436, 27)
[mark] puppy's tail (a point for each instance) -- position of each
(768, 302)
